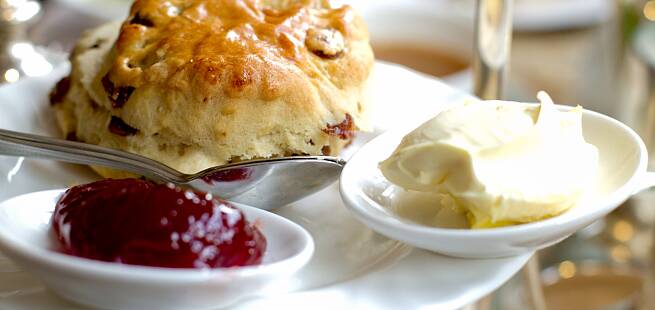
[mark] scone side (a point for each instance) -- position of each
(191, 122)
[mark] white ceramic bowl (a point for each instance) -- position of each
(371, 197)
(26, 238)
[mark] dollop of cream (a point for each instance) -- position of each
(500, 162)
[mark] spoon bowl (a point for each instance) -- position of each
(376, 202)
(26, 238)
(264, 183)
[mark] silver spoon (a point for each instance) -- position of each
(262, 183)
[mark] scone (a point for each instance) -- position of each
(195, 84)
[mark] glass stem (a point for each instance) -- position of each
(532, 282)
(493, 35)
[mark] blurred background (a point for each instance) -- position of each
(595, 53)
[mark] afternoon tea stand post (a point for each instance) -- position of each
(493, 35)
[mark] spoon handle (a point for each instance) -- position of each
(22, 144)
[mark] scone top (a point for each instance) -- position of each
(247, 47)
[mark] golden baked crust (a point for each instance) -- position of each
(201, 83)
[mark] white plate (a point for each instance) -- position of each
(528, 15)
(374, 200)
(403, 23)
(26, 235)
(550, 15)
(102, 9)
(352, 266)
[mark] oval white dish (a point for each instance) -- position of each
(374, 200)
(27, 238)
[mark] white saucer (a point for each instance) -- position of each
(373, 199)
(352, 266)
(26, 237)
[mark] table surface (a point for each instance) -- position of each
(590, 66)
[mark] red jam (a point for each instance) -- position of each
(229, 175)
(141, 223)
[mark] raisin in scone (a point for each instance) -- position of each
(200, 83)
